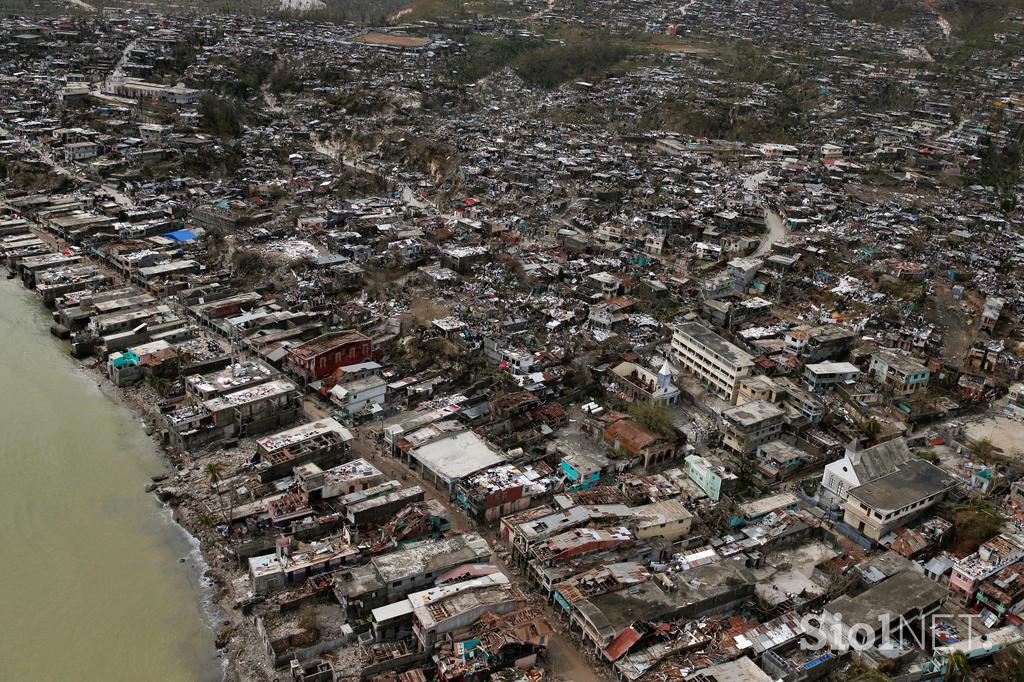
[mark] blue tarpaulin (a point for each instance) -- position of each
(181, 235)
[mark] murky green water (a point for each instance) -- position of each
(90, 583)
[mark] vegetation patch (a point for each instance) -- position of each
(892, 13)
(564, 57)
(390, 39)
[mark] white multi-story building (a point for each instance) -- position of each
(715, 362)
(79, 151)
(823, 376)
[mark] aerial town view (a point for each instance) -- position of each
(514, 340)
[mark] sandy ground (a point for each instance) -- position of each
(389, 39)
(951, 315)
(1005, 434)
(790, 570)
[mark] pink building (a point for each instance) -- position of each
(992, 557)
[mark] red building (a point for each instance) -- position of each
(318, 357)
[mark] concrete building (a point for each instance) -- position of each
(824, 376)
(354, 396)
(450, 608)
(713, 361)
(339, 480)
(420, 565)
(395, 619)
(889, 502)
(501, 490)
(235, 377)
(993, 556)
(323, 443)
(746, 426)
(530, 527)
(859, 466)
(248, 412)
(582, 467)
(378, 509)
(642, 385)
(321, 356)
(907, 597)
(285, 566)
(991, 313)
(134, 88)
(668, 519)
(631, 439)
(820, 343)
(712, 478)
(901, 373)
(168, 269)
(741, 670)
(451, 458)
(80, 151)
(777, 460)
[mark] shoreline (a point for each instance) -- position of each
(210, 577)
(214, 615)
(226, 623)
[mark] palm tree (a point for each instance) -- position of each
(984, 450)
(871, 428)
(958, 667)
(181, 358)
(214, 470)
(215, 475)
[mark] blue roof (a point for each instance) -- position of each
(181, 235)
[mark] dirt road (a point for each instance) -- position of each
(565, 658)
(776, 231)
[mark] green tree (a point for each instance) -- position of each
(653, 416)
(958, 667)
(308, 619)
(984, 450)
(746, 468)
(222, 116)
(1009, 664)
(871, 428)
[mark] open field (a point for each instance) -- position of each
(1006, 435)
(391, 40)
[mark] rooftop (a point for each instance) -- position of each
(303, 433)
(458, 455)
(326, 343)
(431, 556)
(902, 363)
(350, 471)
(716, 344)
(265, 391)
(752, 413)
(915, 481)
(890, 598)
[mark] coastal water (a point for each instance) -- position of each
(90, 583)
